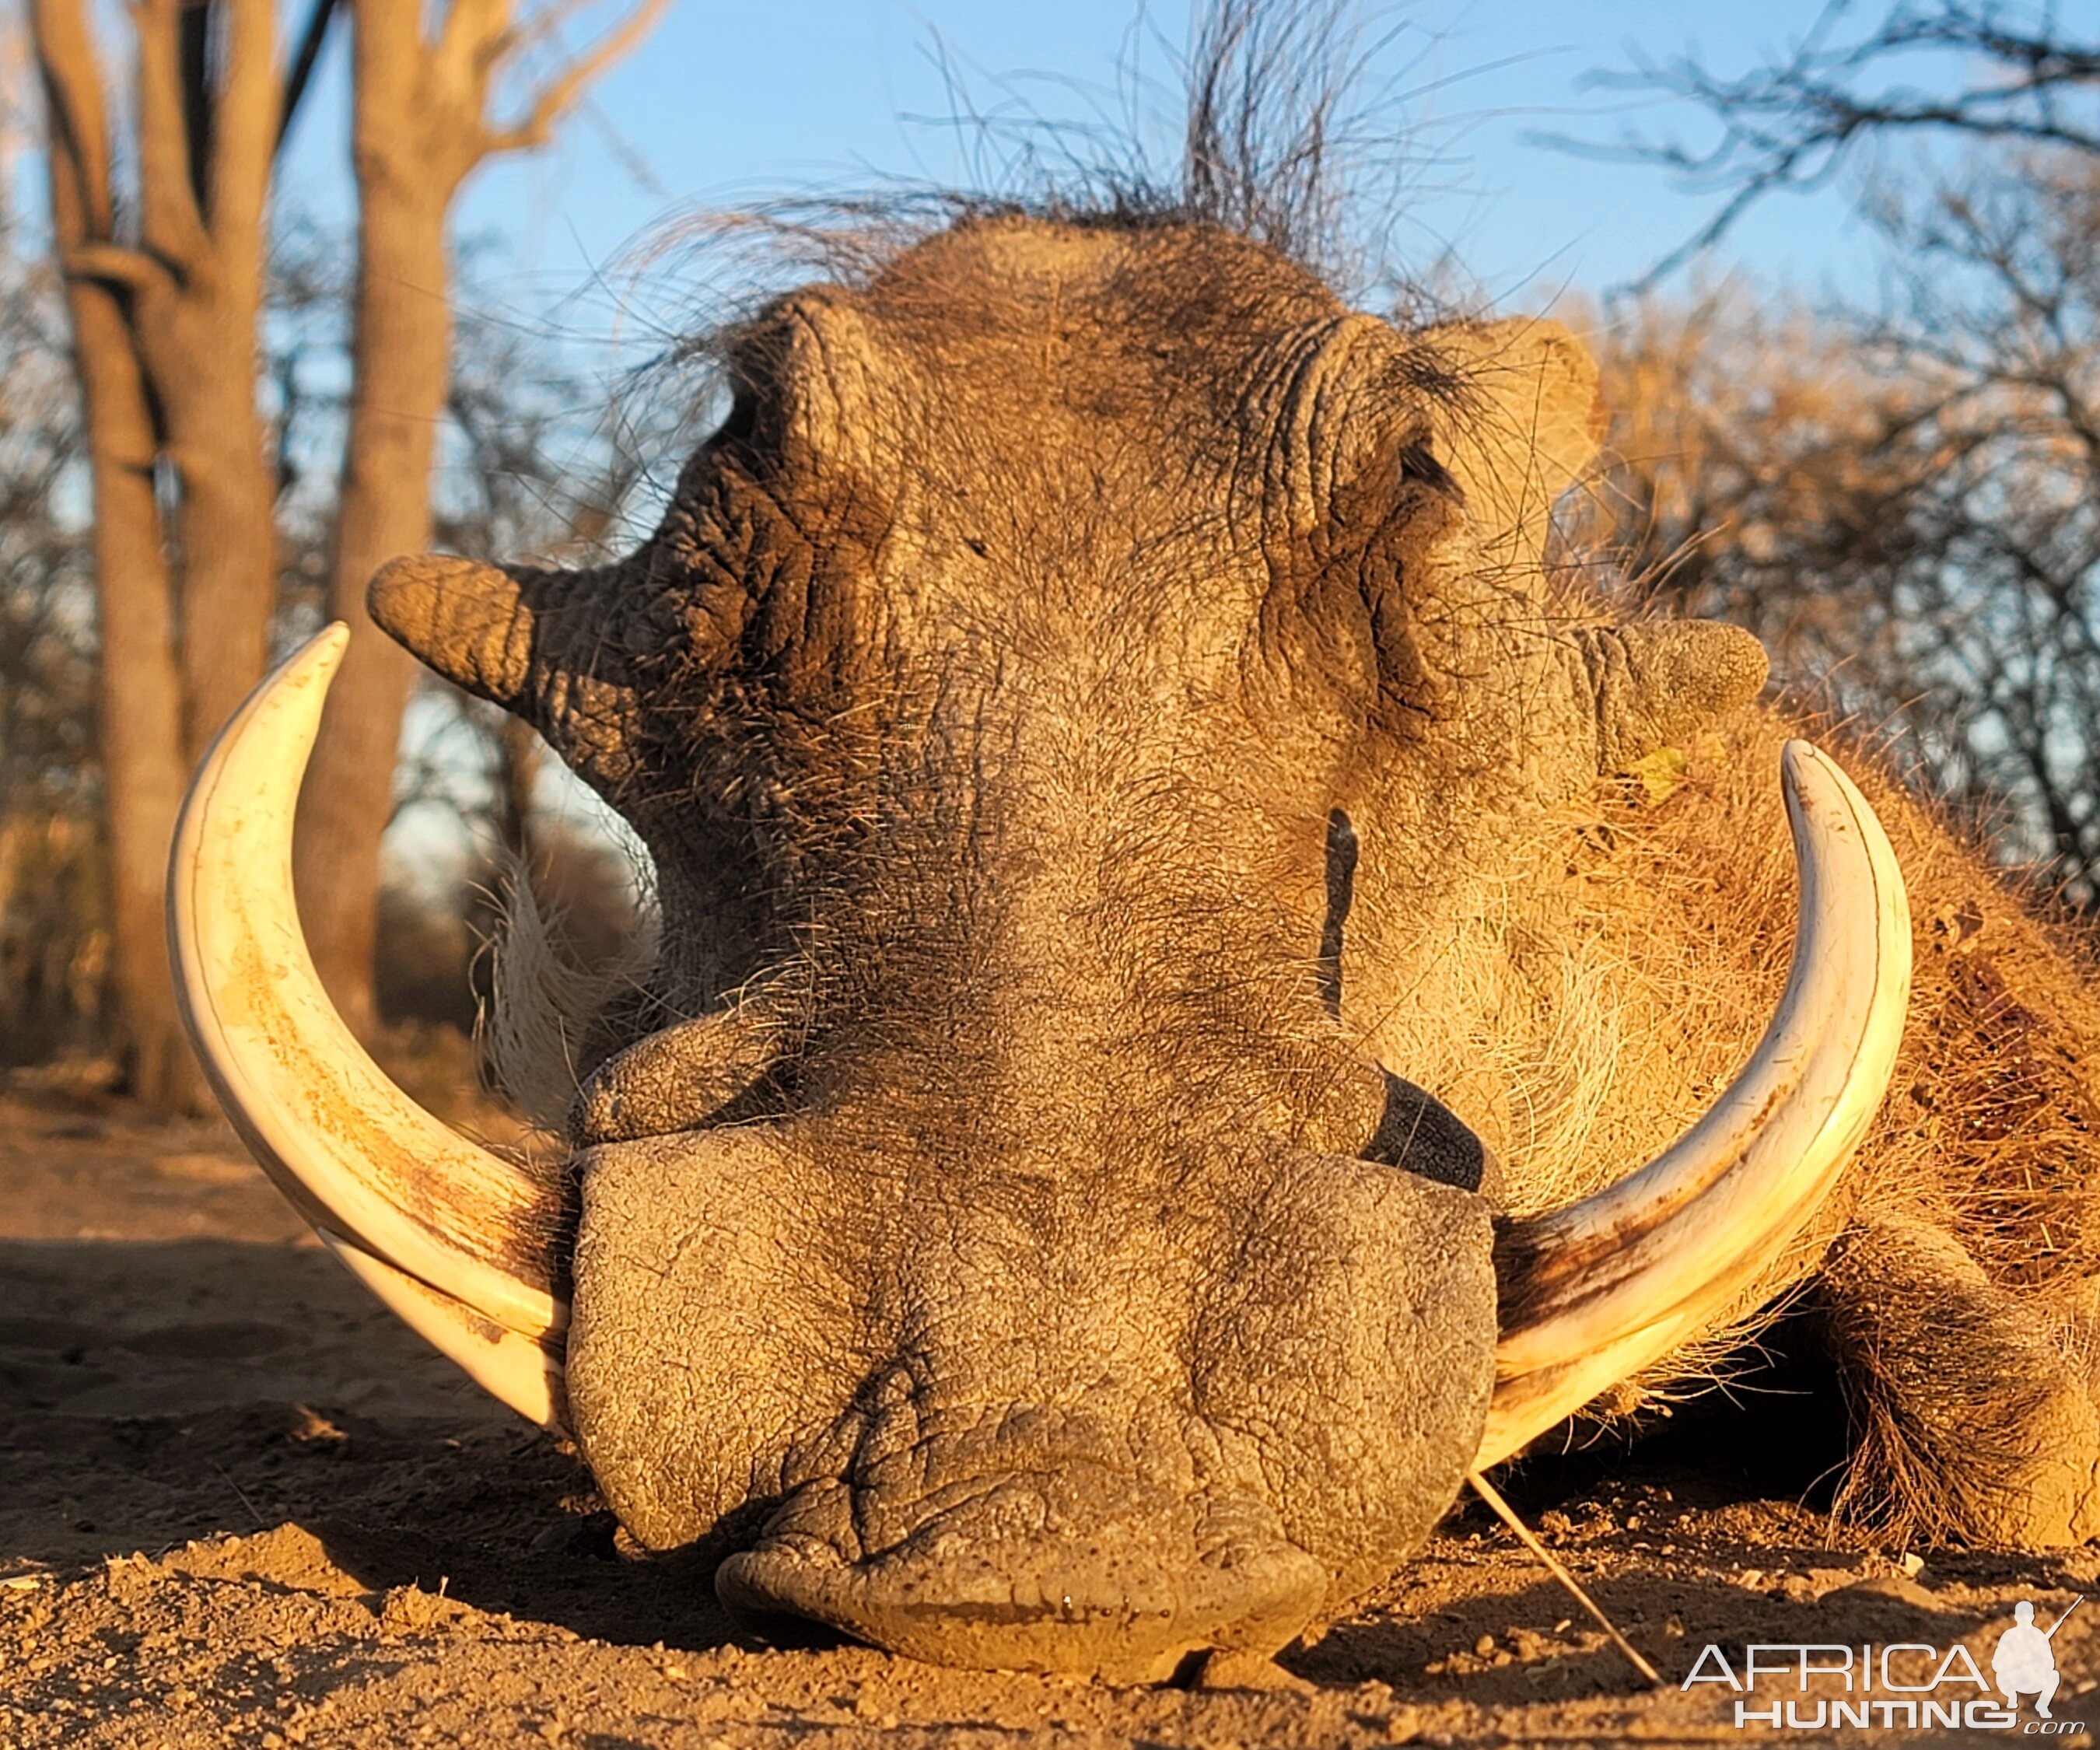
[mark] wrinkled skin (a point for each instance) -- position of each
(1080, 706)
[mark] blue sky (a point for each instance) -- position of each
(729, 103)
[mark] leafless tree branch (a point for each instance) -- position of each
(558, 95)
(1795, 122)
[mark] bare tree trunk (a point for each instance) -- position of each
(202, 206)
(402, 339)
(143, 767)
(420, 127)
(165, 333)
(228, 533)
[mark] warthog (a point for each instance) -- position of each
(1157, 1017)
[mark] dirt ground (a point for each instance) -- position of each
(240, 1506)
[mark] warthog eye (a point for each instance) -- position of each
(1417, 462)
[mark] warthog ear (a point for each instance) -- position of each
(1525, 420)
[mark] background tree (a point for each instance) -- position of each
(528, 462)
(158, 220)
(2024, 79)
(424, 118)
(54, 932)
(161, 247)
(1901, 496)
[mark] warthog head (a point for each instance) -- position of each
(1068, 703)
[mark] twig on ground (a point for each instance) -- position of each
(1488, 1492)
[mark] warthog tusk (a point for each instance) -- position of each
(1593, 1293)
(517, 1369)
(462, 1245)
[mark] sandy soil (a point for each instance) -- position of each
(240, 1506)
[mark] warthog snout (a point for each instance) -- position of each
(1019, 1421)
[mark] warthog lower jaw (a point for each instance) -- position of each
(1102, 1604)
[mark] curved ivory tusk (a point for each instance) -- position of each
(452, 1238)
(510, 1367)
(1594, 1293)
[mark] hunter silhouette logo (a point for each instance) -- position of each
(2025, 1663)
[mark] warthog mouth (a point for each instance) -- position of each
(473, 1252)
(1027, 1572)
